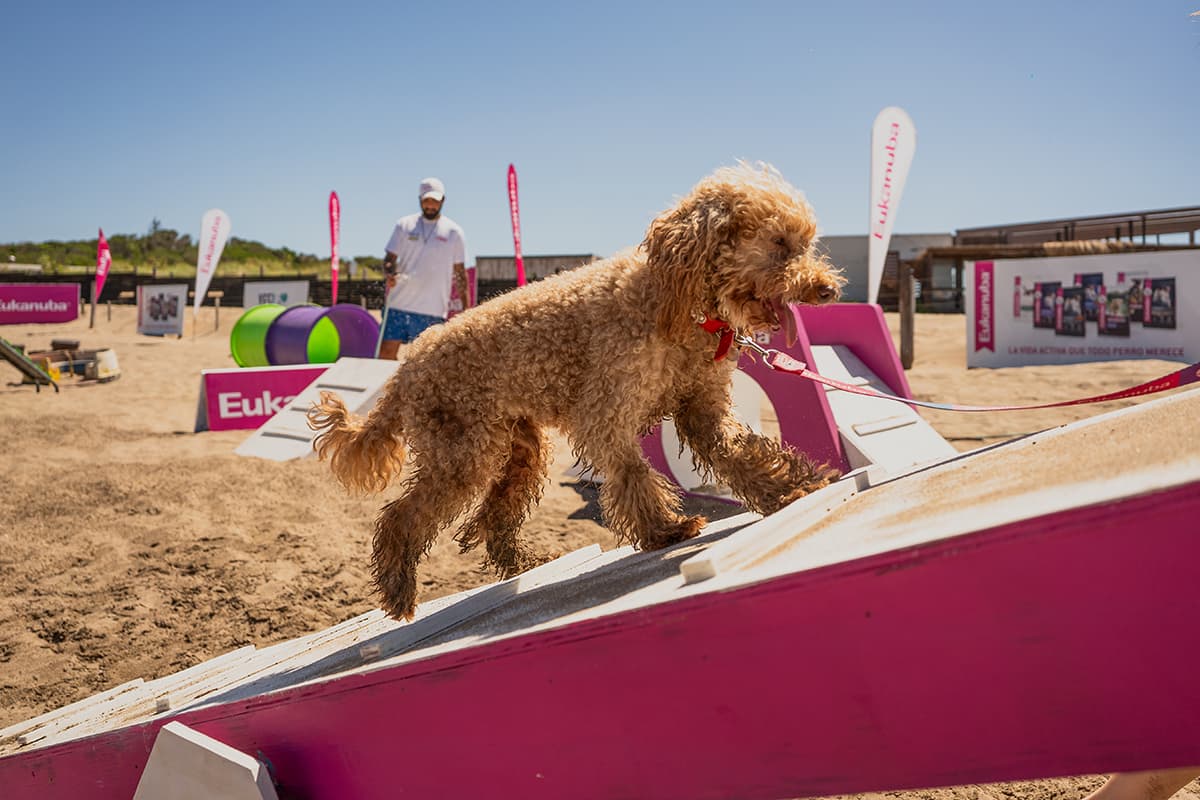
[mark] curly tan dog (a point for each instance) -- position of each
(603, 353)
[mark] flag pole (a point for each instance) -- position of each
(335, 224)
(514, 213)
(103, 262)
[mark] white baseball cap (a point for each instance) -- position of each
(432, 187)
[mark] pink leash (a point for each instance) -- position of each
(782, 362)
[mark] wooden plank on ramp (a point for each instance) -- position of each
(245, 672)
(57, 719)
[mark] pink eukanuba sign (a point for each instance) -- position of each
(243, 399)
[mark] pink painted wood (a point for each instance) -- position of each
(862, 328)
(1054, 646)
(805, 418)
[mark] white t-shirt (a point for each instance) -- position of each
(426, 253)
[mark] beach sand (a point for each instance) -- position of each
(132, 547)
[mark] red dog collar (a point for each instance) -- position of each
(719, 327)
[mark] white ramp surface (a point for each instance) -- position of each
(286, 436)
(873, 430)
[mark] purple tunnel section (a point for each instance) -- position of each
(313, 334)
(358, 330)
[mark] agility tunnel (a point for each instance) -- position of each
(274, 335)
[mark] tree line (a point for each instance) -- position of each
(164, 248)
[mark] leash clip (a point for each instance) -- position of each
(770, 356)
(749, 342)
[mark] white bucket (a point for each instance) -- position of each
(105, 367)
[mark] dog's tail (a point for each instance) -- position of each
(363, 453)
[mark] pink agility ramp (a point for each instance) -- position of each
(998, 616)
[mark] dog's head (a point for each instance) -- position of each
(740, 247)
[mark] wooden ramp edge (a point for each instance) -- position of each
(248, 672)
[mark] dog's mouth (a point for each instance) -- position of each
(778, 312)
(783, 316)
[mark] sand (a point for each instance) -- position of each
(132, 547)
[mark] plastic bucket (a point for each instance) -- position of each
(247, 340)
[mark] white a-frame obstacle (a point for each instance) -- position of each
(286, 435)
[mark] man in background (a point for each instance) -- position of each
(426, 252)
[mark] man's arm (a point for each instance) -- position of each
(389, 270)
(460, 280)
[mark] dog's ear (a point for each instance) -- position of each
(684, 246)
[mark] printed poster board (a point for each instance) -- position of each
(1075, 309)
(285, 293)
(160, 308)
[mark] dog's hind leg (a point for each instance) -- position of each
(498, 520)
(759, 471)
(441, 487)
(639, 504)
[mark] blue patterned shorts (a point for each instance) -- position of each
(404, 326)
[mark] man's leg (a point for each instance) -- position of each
(418, 323)
(401, 327)
(393, 333)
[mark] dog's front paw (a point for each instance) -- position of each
(819, 480)
(686, 528)
(519, 561)
(399, 596)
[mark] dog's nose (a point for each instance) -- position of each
(827, 293)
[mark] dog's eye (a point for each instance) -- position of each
(780, 241)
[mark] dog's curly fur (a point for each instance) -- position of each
(602, 353)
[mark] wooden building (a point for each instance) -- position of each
(938, 270)
(498, 274)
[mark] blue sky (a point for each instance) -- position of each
(117, 114)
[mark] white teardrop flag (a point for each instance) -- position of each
(214, 231)
(893, 141)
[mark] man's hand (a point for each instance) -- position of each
(389, 271)
(464, 289)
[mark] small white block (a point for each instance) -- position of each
(187, 765)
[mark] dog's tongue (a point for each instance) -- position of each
(787, 318)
